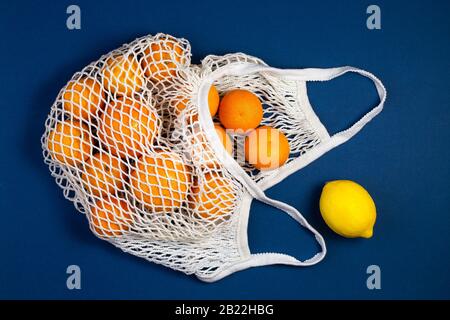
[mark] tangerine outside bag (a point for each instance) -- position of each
(131, 142)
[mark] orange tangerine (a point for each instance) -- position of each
(212, 196)
(224, 138)
(160, 181)
(122, 75)
(213, 100)
(240, 110)
(266, 148)
(110, 217)
(127, 126)
(202, 152)
(70, 143)
(104, 174)
(83, 98)
(161, 58)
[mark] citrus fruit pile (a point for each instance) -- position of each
(113, 132)
(241, 111)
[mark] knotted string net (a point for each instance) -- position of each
(124, 143)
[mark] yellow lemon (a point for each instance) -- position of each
(348, 209)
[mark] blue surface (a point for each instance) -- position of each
(402, 157)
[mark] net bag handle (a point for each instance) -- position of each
(313, 74)
(269, 258)
(309, 74)
(331, 73)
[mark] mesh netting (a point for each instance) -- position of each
(281, 104)
(124, 143)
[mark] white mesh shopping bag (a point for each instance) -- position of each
(131, 141)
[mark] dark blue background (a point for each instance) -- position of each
(402, 157)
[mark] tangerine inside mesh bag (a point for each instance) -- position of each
(131, 146)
